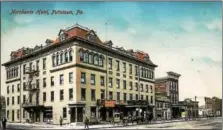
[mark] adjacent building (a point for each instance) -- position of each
(77, 76)
(163, 103)
(171, 82)
(213, 106)
(2, 107)
(190, 108)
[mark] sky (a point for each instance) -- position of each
(184, 37)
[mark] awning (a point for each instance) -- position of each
(80, 104)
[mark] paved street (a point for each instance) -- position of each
(198, 124)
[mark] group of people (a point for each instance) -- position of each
(3, 123)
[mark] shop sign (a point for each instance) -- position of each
(109, 103)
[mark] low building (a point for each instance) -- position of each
(190, 107)
(213, 105)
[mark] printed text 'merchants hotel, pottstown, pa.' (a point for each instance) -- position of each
(42, 12)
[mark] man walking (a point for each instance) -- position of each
(4, 123)
(61, 121)
(86, 122)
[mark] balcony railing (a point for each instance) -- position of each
(31, 104)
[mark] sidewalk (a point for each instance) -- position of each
(49, 126)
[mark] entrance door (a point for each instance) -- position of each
(80, 114)
(72, 115)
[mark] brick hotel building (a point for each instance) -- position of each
(75, 76)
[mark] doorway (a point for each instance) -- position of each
(13, 115)
(80, 114)
(72, 114)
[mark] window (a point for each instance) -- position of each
(83, 78)
(83, 94)
(61, 79)
(136, 70)
(137, 97)
(92, 95)
(64, 112)
(81, 54)
(18, 99)
(130, 85)
(151, 99)
(147, 98)
(117, 65)
(102, 94)
(37, 65)
(118, 96)
(130, 69)
(62, 37)
(53, 60)
(70, 93)
(125, 97)
(37, 83)
(141, 87)
(102, 79)
(93, 111)
(124, 84)
(151, 89)
(147, 88)
(44, 82)
(24, 98)
(117, 83)
(18, 114)
(96, 59)
(57, 59)
(61, 58)
(130, 96)
(61, 94)
(52, 80)
(7, 101)
(18, 87)
(71, 77)
(101, 61)
(124, 67)
(66, 57)
(110, 95)
(70, 55)
(110, 63)
(8, 114)
(12, 100)
(136, 85)
(52, 96)
(44, 63)
(7, 89)
(24, 85)
(152, 75)
(141, 97)
(85, 57)
(24, 113)
(44, 96)
(92, 79)
(91, 58)
(110, 82)
(30, 66)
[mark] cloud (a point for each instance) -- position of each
(24, 19)
(215, 25)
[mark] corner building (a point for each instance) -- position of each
(75, 76)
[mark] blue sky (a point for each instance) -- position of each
(172, 33)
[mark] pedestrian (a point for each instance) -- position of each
(86, 122)
(4, 121)
(61, 121)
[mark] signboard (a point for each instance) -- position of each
(109, 103)
(161, 87)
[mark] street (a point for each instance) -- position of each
(203, 123)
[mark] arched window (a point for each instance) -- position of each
(66, 57)
(86, 57)
(57, 59)
(91, 57)
(101, 60)
(71, 55)
(96, 59)
(53, 60)
(81, 54)
(61, 57)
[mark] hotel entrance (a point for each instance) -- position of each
(76, 112)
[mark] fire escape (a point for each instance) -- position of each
(33, 107)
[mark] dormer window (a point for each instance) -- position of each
(62, 37)
(91, 36)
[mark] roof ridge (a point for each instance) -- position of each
(77, 25)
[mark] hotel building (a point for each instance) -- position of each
(77, 76)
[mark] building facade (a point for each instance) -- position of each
(2, 107)
(77, 76)
(163, 103)
(172, 91)
(190, 107)
(213, 106)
